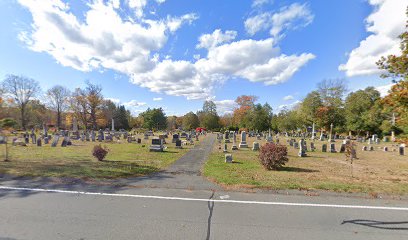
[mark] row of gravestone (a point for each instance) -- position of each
(302, 146)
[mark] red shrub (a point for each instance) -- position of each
(100, 152)
(273, 156)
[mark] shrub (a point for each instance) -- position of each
(273, 156)
(8, 123)
(100, 152)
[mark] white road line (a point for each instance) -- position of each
(206, 200)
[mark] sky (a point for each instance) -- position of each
(176, 54)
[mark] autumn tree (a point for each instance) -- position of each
(245, 104)
(79, 106)
(396, 68)
(309, 106)
(22, 90)
(57, 100)
(94, 98)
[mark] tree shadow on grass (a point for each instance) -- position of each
(379, 224)
(295, 169)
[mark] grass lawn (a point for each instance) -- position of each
(374, 172)
(123, 160)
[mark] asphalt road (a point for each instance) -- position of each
(166, 207)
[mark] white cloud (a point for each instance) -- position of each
(289, 106)
(385, 23)
(106, 39)
(216, 38)
(287, 98)
(259, 3)
(225, 106)
(134, 103)
(290, 17)
(157, 99)
(384, 89)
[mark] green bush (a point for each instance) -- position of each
(8, 123)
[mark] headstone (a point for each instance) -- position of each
(243, 143)
(225, 148)
(3, 139)
(26, 138)
(129, 139)
(370, 141)
(175, 138)
(385, 149)
(139, 140)
(377, 141)
(55, 141)
(157, 145)
(342, 148)
(255, 146)
(332, 147)
(39, 142)
(64, 142)
(312, 146)
(371, 148)
(93, 136)
(364, 148)
(46, 140)
(87, 137)
(302, 151)
(234, 142)
(146, 137)
(74, 125)
(227, 140)
(402, 149)
(228, 158)
(113, 125)
(296, 145)
(291, 142)
(178, 143)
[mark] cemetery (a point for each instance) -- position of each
(313, 166)
(67, 155)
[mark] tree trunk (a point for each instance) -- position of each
(23, 123)
(58, 119)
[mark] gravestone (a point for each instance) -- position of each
(402, 149)
(33, 138)
(26, 138)
(364, 148)
(129, 139)
(55, 141)
(295, 145)
(157, 145)
(139, 140)
(312, 146)
(175, 138)
(371, 148)
(243, 143)
(302, 151)
(342, 148)
(291, 142)
(234, 142)
(178, 143)
(87, 137)
(39, 142)
(64, 142)
(333, 148)
(146, 137)
(93, 136)
(255, 146)
(46, 140)
(3, 139)
(228, 158)
(227, 140)
(370, 141)
(225, 148)
(385, 149)
(377, 141)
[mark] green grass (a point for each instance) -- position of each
(373, 172)
(123, 160)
